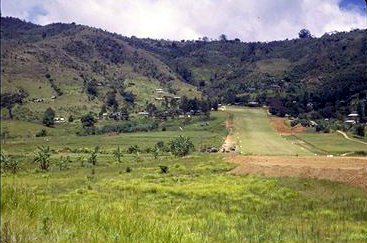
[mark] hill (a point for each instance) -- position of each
(308, 77)
(325, 76)
(73, 68)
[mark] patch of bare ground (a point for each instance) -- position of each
(280, 126)
(229, 145)
(350, 170)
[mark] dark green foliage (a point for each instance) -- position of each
(181, 146)
(117, 154)
(88, 120)
(128, 169)
(9, 100)
(42, 157)
(164, 169)
(63, 163)
(41, 133)
(71, 118)
(111, 100)
(133, 149)
(304, 33)
(93, 156)
(128, 127)
(129, 97)
(91, 88)
(8, 163)
(48, 117)
(360, 130)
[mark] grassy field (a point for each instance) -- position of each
(197, 200)
(329, 143)
(256, 136)
(63, 137)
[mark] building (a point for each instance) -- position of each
(353, 117)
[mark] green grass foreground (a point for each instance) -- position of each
(196, 201)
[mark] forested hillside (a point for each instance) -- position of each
(81, 66)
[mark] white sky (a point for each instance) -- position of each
(249, 20)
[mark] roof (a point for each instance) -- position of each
(353, 115)
(350, 121)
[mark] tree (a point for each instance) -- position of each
(92, 88)
(88, 120)
(111, 100)
(48, 117)
(361, 107)
(9, 100)
(304, 33)
(152, 109)
(129, 97)
(181, 146)
(360, 130)
(223, 37)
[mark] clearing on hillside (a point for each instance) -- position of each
(256, 136)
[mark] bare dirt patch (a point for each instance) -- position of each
(350, 170)
(229, 145)
(280, 126)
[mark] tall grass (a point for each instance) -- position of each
(196, 201)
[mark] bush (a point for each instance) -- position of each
(118, 154)
(48, 117)
(8, 163)
(133, 149)
(43, 157)
(128, 169)
(41, 133)
(93, 156)
(181, 146)
(359, 130)
(164, 169)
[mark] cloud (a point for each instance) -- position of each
(252, 20)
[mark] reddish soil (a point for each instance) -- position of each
(280, 126)
(350, 170)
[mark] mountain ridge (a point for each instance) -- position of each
(327, 72)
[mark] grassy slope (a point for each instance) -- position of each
(331, 143)
(26, 64)
(256, 136)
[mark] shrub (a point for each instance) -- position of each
(93, 156)
(118, 154)
(63, 163)
(8, 163)
(43, 157)
(88, 120)
(128, 169)
(48, 117)
(133, 149)
(164, 169)
(181, 146)
(41, 133)
(359, 130)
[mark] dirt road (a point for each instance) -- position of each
(350, 170)
(346, 137)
